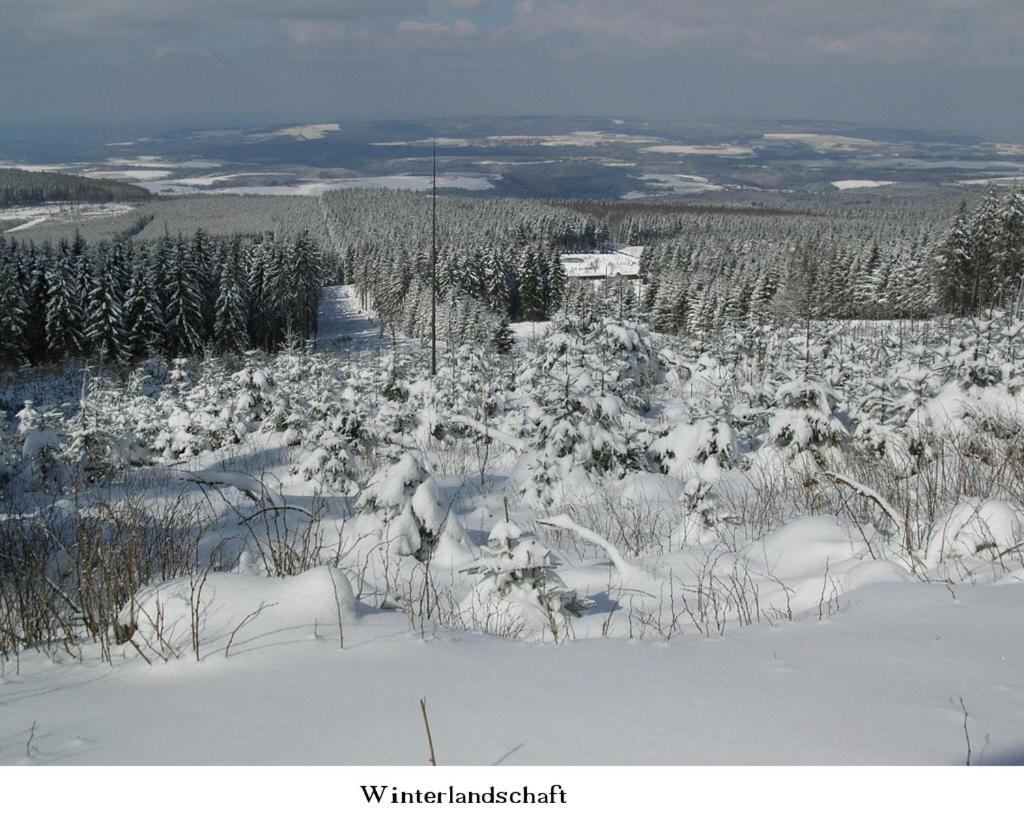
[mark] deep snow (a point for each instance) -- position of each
(880, 682)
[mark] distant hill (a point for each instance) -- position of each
(21, 188)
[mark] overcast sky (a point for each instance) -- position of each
(947, 64)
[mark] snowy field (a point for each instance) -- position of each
(623, 261)
(605, 549)
(860, 184)
(880, 682)
(827, 143)
(716, 149)
(414, 183)
(58, 213)
(671, 185)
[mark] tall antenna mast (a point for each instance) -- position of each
(433, 266)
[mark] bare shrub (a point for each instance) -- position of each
(67, 569)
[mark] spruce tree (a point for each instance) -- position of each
(184, 315)
(141, 309)
(13, 316)
(555, 284)
(64, 332)
(530, 289)
(232, 333)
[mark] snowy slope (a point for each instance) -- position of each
(879, 683)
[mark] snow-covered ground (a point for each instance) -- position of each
(671, 185)
(415, 183)
(130, 175)
(30, 216)
(310, 131)
(456, 143)
(341, 323)
(716, 149)
(860, 184)
(879, 683)
(994, 181)
(365, 536)
(827, 143)
(623, 261)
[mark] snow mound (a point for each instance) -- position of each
(810, 563)
(802, 548)
(974, 526)
(170, 616)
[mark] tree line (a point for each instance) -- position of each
(19, 187)
(498, 261)
(178, 296)
(711, 273)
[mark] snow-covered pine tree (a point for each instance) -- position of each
(530, 288)
(703, 515)
(255, 264)
(13, 317)
(184, 316)
(143, 314)
(406, 500)
(231, 325)
(518, 588)
(65, 336)
(803, 427)
(305, 267)
(203, 273)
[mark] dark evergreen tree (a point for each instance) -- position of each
(530, 288)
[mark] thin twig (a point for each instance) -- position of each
(275, 508)
(337, 604)
(426, 724)
(967, 733)
(241, 624)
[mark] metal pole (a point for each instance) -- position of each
(433, 266)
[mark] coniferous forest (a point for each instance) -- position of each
(19, 187)
(703, 273)
(126, 300)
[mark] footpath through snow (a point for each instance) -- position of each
(341, 324)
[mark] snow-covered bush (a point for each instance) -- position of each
(973, 527)
(406, 502)
(703, 514)
(331, 433)
(574, 419)
(704, 447)
(39, 439)
(517, 585)
(803, 428)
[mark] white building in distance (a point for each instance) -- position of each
(623, 262)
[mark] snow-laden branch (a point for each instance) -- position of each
(563, 522)
(244, 483)
(490, 432)
(868, 493)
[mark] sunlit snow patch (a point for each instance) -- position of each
(718, 149)
(861, 184)
(211, 611)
